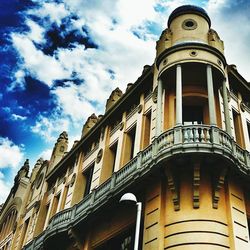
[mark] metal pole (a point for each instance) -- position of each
(137, 226)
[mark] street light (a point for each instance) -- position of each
(131, 198)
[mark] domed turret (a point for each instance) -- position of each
(188, 9)
(186, 24)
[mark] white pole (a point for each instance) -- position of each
(178, 95)
(137, 226)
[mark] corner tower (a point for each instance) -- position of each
(199, 202)
(190, 63)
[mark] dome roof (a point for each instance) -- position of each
(188, 9)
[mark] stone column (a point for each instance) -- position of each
(178, 95)
(226, 108)
(159, 108)
(210, 91)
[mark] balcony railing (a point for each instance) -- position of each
(189, 139)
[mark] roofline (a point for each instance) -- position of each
(98, 125)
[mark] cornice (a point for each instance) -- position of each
(190, 45)
(102, 121)
(204, 140)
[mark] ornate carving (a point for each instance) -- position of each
(73, 178)
(23, 172)
(121, 126)
(139, 108)
(218, 183)
(91, 121)
(242, 106)
(154, 95)
(172, 185)
(146, 68)
(37, 205)
(63, 136)
(196, 186)
(74, 239)
(113, 98)
(64, 179)
(99, 155)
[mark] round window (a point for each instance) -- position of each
(189, 24)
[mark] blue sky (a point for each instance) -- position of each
(60, 60)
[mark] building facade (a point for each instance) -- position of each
(178, 138)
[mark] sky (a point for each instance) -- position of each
(60, 60)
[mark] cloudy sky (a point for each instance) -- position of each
(60, 59)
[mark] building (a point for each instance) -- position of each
(178, 138)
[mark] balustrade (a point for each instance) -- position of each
(191, 134)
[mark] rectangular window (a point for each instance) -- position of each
(131, 142)
(88, 174)
(192, 114)
(113, 151)
(147, 129)
(64, 197)
(237, 128)
(124, 240)
(24, 232)
(248, 129)
(55, 205)
(128, 147)
(46, 217)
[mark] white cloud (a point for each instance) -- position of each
(16, 117)
(236, 48)
(72, 101)
(18, 81)
(11, 154)
(110, 25)
(36, 31)
(46, 154)
(55, 11)
(215, 5)
(43, 67)
(5, 187)
(50, 128)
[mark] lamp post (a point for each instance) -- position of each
(131, 198)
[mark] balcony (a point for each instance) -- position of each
(202, 139)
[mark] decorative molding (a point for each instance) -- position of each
(154, 95)
(139, 108)
(73, 178)
(37, 205)
(172, 185)
(242, 106)
(121, 126)
(99, 156)
(196, 185)
(218, 183)
(64, 179)
(193, 53)
(189, 24)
